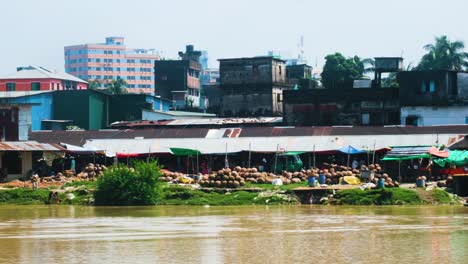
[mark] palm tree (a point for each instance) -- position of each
(117, 86)
(444, 55)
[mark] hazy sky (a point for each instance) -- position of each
(35, 31)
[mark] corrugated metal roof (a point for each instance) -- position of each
(79, 137)
(15, 94)
(201, 121)
(180, 113)
(263, 144)
(28, 146)
(42, 73)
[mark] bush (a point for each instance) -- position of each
(129, 186)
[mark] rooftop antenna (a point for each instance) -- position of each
(300, 57)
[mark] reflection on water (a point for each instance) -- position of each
(296, 234)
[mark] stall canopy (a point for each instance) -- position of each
(350, 150)
(185, 152)
(415, 152)
(456, 157)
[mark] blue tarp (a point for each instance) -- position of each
(350, 150)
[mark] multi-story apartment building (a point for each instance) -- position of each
(252, 86)
(108, 61)
(179, 80)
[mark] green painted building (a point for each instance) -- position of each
(88, 109)
(94, 110)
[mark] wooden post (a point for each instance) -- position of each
(399, 171)
(250, 154)
(314, 156)
(226, 163)
(373, 154)
(276, 158)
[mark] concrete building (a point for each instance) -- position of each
(40, 79)
(108, 61)
(252, 86)
(348, 107)
(433, 97)
(179, 80)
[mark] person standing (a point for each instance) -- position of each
(35, 180)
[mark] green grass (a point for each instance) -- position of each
(268, 186)
(24, 196)
(87, 184)
(177, 195)
(441, 196)
(390, 196)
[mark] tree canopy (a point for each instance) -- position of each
(94, 84)
(339, 68)
(444, 54)
(117, 86)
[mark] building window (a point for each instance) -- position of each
(466, 120)
(412, 120)
(35, 86)
(428, 87)
(365, 118)
(432, 86)
(11, 87)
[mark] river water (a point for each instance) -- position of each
(275, 234)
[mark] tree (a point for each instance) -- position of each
(94, 84)
(444, 55)
(117, 86)
(338, 69)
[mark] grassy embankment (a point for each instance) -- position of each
(392, 196)
(177, 195)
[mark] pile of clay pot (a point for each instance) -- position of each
(91, 171)
(169, 176)
(225, 178)
(379, 173)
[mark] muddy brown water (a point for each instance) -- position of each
(252, 234)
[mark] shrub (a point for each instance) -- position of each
(129, 186)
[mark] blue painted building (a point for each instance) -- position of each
(41, 103)
(87, 109)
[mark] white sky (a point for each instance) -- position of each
(35, 31)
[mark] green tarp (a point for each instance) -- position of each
(185, 152)
(408, 157)
(456, 157)
(292, 153)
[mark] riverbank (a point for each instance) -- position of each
(81, 193)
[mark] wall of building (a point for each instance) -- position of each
(427, 88)
(44, 84)
(72, 105)
(252, 86)
(252, 104)
(41, 107)
(430, 116)
(24, 122)
(354, 107)
(107, 61)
